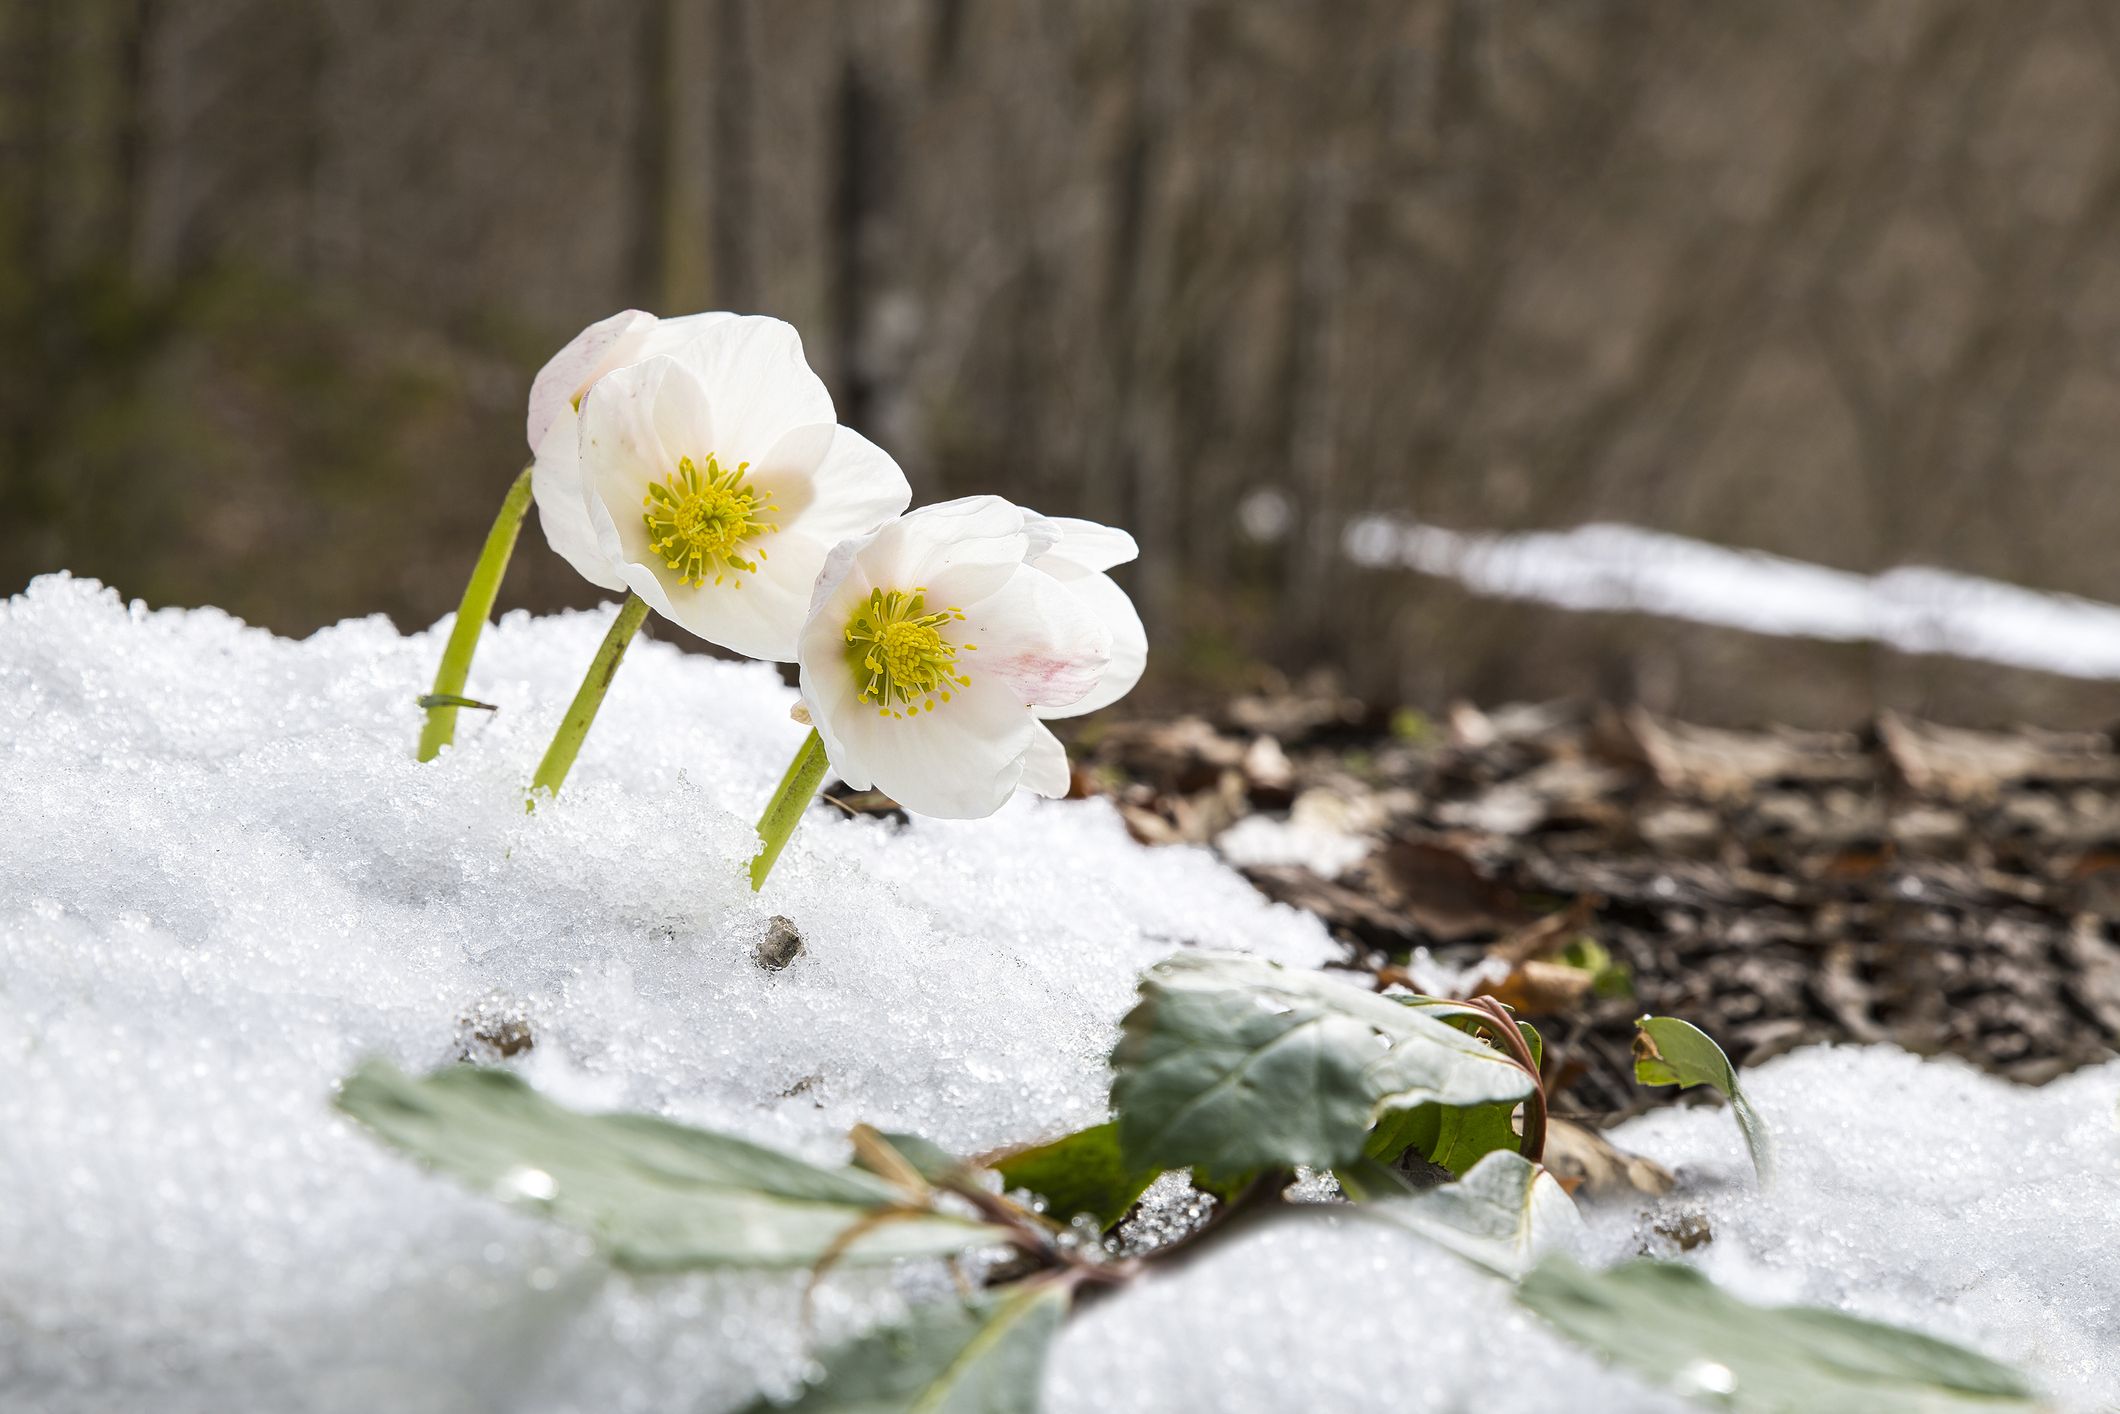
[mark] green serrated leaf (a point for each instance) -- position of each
(1504, 1215)
(1083, 1172)
(1674, 1326)
(659, 1196)
(1668, 1051)
(985, 1356)
(1231, 1066)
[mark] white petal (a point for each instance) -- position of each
(961, 761)
(1045, 768)
(596, 350)
(556, 486)
(855, 488)
(757, 385)
(961, 551)
(622, 454)
(1129, 640)
(840, 583)
(827, 684)
(758, 615)
(670, 335)
(1087, 545)
(622, 446)
(605, 346)
(1036, 637)
(759, 620)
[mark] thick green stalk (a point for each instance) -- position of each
(797, 789)
(567, 741)
(440, 727)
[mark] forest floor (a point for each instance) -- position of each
(1946, 890)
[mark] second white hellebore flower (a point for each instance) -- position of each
(935, 645)
(705, 471)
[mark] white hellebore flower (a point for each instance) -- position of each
(935, 645)
(698, 462)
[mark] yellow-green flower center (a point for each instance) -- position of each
(898, 654)
(699, 520)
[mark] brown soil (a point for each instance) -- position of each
(1944, 890)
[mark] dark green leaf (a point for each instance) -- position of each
(660, 1196)
(450, 699)
(1082, 1172)
(1231, 1066)
(1669, 1323)
(1455, 1138)
(985, 1356)
(1668, 1051)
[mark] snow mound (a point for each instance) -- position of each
(223, 881)
(1916, 1192)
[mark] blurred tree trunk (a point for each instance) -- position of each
(1152, 186)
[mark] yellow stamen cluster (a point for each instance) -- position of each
(698, 519)
(899, 656)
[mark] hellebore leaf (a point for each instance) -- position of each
(1668, 1051)
(984, 1356)
(1231, 1066)
(1674, 1326)
(659, 1196)
(1457, 1138)
(1505, 1214)
(1083, 1172)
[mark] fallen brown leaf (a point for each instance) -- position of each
(1584, 1161)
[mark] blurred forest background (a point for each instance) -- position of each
(1838, 279)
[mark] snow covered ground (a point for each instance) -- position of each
(223, 880)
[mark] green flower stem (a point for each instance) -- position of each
(567, 741)
(440, 727)
(797, 789)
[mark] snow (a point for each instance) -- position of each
(223, 880)
(1258, 840)
(1914, 608)
(1916, 1192)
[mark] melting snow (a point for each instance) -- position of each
(223, 880)
(1915, 608)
